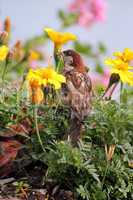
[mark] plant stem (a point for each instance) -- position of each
(36, 126)
(121, 90)
(3, 79)
(4, 71)
(107, 165)
(18, 99)
(59, 63)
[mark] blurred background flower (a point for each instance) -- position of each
(100, 80)
(88, 11)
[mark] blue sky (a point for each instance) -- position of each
(30, 16)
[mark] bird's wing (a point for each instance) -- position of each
(81, 82)
(79, 91)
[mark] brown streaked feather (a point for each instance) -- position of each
(79, 92)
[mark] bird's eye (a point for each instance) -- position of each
(69, 53)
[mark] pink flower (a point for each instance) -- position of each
(89, 11)
(99, 10)
(105, 77)
(100, 80)
(95, 77)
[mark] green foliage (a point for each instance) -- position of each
(71, 167)
(67, 19)
(110, 122)
(35, 42)
(85, 49)
(83, 169)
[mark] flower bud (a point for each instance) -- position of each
(114, 78)
(3, 37)
(7, 25)
(18, 44)
(18, 51)
(113, 81)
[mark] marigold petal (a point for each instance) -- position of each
(117, 54)
(60, 78)
(108, 61)
(44, 82)
(56, 83)
(126, 77)
(3, 52)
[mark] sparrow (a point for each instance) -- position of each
(77, 91)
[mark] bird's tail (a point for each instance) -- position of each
(75, 130)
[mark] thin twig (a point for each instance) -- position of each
(37, 129)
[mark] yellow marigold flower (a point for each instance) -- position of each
(126, 55)
(36, 93)
(34, 79)
(50, 76)
(122, 68)
(34, 55)
(3, 52)
(45, 76)
(59, 38)
(42, 77)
